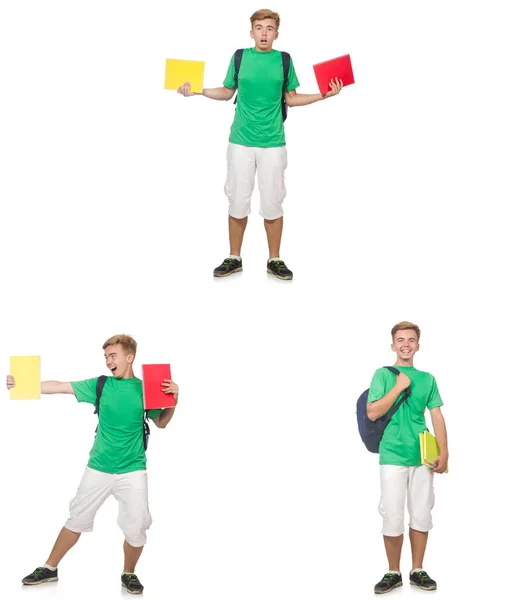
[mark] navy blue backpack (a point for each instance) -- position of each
(371, 432)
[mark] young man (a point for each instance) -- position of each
(257, 142)
(117, 462)
(401, 470)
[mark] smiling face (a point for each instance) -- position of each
(405, 344)
(118, 361)
(264, 33)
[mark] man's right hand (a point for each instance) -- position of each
(185, 90)
(402, 381)
(11, 382)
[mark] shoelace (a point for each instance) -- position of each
(389, 576)
(423, 575)
(132, 577)
(279, 263)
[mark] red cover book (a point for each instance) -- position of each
(339, 68)
(152, 378)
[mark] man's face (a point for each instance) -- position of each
(117, 361)
(405, 344)
(264, 33)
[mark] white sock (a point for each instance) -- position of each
(235, 257)
(46, 566)
(416, 571)
(395, 573)
(271, 259)
(128, 573)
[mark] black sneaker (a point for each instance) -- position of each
(132, 584)
(423, 580)
(279, 269)
(40, 575)
(228, 267)
(389, 582)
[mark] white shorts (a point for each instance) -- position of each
(243, 163)
(416, 483)
(129, 489)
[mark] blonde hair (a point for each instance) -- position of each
(265, 13)
(126, 342)
(405, 325)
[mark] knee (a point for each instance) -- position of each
(134, 529)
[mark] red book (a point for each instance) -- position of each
(339, 68)
(152, 378)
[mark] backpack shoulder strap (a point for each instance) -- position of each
(238, 60)
(99, 389)
(286, 63)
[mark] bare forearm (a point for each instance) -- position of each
(379, 408)
(55, 387)
(220, 93)
(440, 433)
(303, 99)
(165, 416)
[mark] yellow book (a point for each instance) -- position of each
(429, 449)
(178, 72)
(26, 372)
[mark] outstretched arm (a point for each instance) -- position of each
(294, 99)
(46, 387)
(219, 93)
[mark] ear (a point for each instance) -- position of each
(130, 358)
(393, 347)
(276, 35)
(251, 34)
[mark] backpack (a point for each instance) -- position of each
(286, 61)
(99, 389)
(371, 432)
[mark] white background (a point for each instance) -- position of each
(113, 217)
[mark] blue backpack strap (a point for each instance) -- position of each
(147, 431)
(237, 57)
(286, 63)
(99, 389)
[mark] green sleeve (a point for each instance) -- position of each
(154, 413)
(434, 400)
(85, 391)
(293, 82)
(229, 80)
(378, 387)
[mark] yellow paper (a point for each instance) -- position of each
(178, 72)
(26, 372)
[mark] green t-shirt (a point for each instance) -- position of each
(119, 441)
(258, 116)
(400, 442)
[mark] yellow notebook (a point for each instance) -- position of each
(26, 372)
(178, 72)
(429, 449)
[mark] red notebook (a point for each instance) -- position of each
(152, 378)
(340, 68)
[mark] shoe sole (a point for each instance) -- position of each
(130, 591)
(283, 277)
(426, 589)
(230, 273)
(50, 580)
(399, 584)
